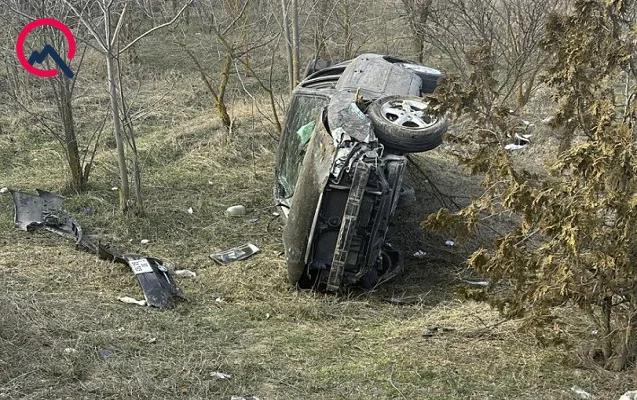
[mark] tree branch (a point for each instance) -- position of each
(148, 32)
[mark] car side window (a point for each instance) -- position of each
(301, 117)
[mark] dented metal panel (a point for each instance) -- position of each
(315, 170)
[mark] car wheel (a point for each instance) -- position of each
(403, 124)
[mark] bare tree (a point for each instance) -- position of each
(234, 28)
(63, 126)
(511, 30)
(107, 42)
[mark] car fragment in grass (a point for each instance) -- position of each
(235, 254)
(46, 211)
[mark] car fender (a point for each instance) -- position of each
(313, 177)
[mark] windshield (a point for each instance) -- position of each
(299, 126)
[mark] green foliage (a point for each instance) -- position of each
(574, 243)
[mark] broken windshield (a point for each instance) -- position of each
(298, 128)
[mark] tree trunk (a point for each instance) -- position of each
(70, 139)
(288, 43)
(124, 190)
(223, 84)
(296, 43)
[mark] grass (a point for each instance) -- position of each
(59, 314)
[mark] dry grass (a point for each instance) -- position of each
(59, 308)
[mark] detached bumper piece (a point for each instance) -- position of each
(45, 211)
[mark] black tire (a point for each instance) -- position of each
(401, 124)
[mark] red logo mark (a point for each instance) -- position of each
(19, 46)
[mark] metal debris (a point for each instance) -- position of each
(185, 273)
(477, 283)
(46, 211)
(130, 300)
(632, 395)
(220, 375)
(582, 394)
(420, 254)
(235, 254)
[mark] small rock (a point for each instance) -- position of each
(114, 188)
(244, 398)
(185, 273)
(236, 211)
(190, 210)
(70, 350)
(450, 243)
(4, 190)
(145, 241)
(254, 220)
(276, 214)
(87, 211)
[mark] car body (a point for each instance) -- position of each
(340, 167)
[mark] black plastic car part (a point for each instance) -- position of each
(46, 211)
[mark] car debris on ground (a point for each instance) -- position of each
(420, 254)
(130, 300)
(583, 394)
(185, 273)
(46, 211)
(235, 254)
(519, 142)
(476, 283)
(631, 395)
(220, 375)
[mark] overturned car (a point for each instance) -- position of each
(340, 166)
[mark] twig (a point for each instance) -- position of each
(433, 186)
